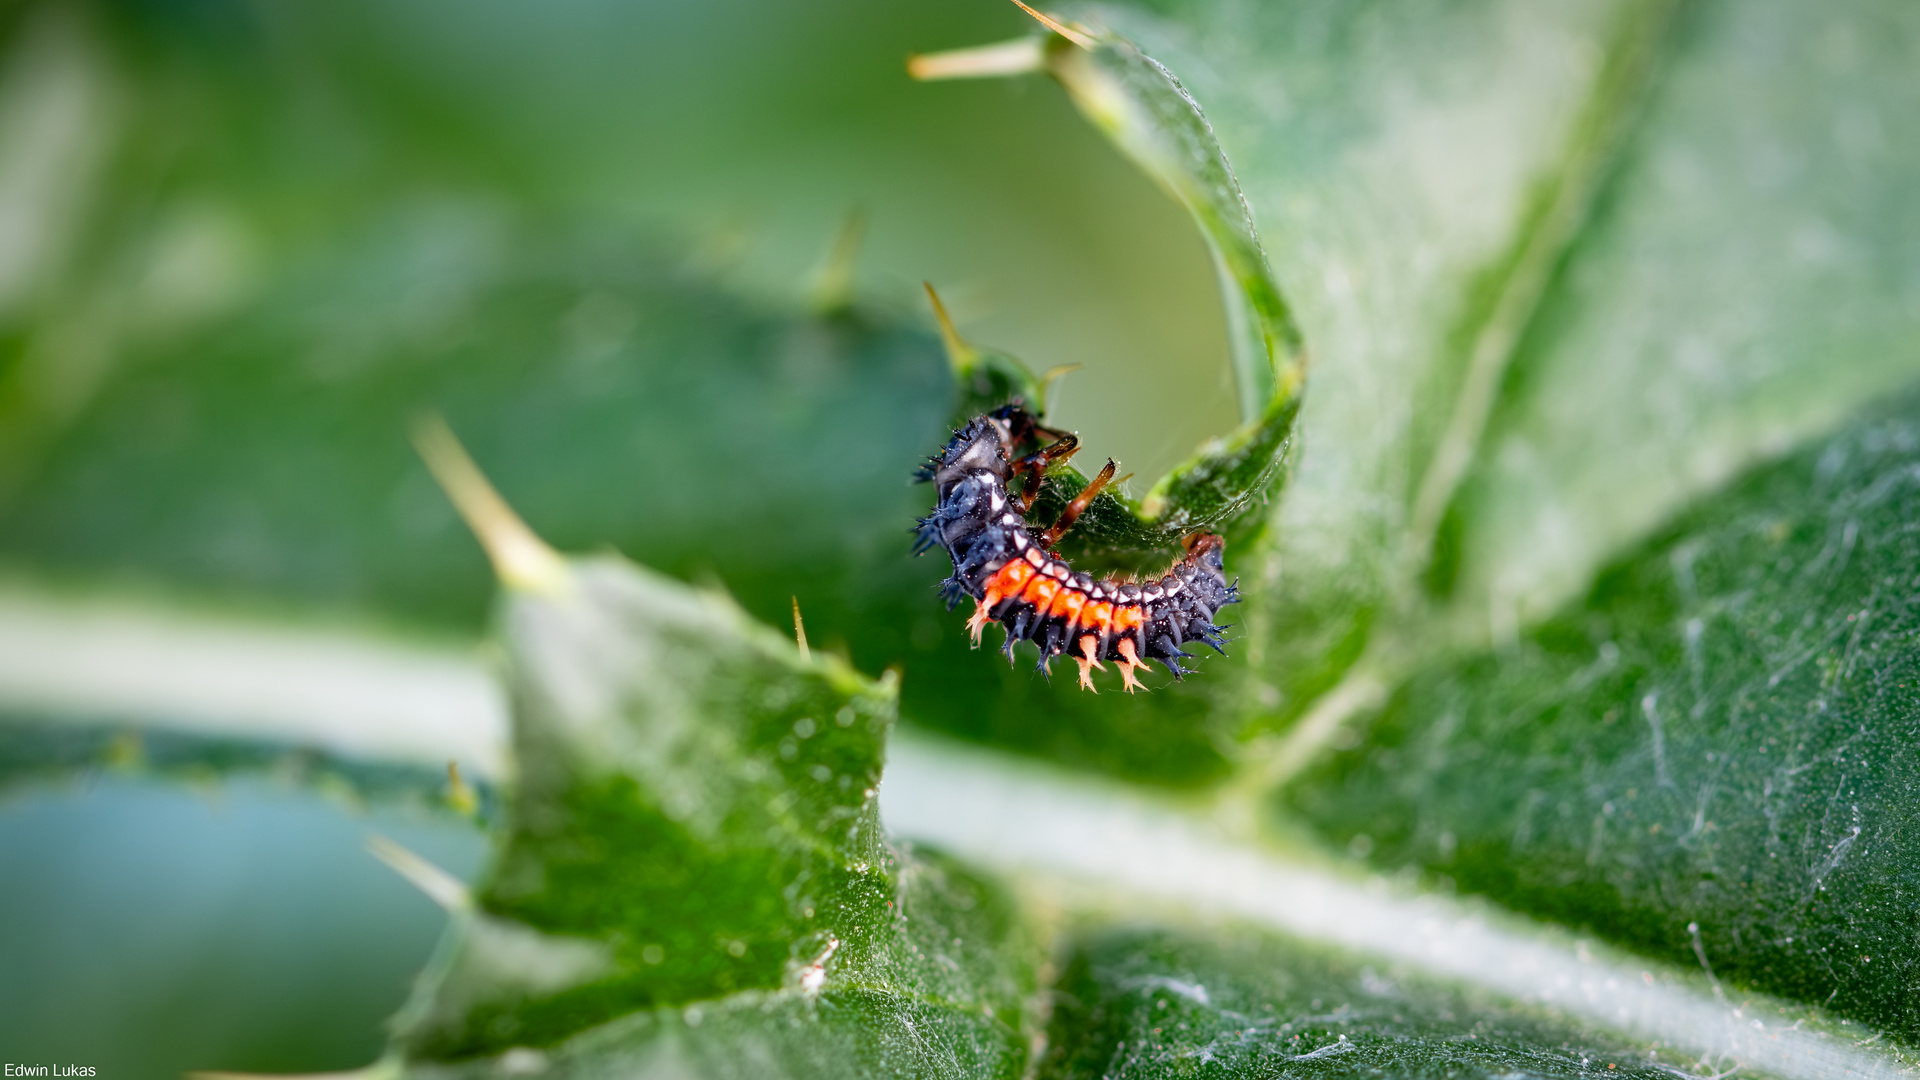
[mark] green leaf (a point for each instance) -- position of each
(1562, 271)
(1709, 758)
(38, 750)
(267, 452)
(1119, 858)
(1746, 283)
(1225, 484)
(247, 438)
(693, 866)
(1142, 1004)
(1551, 284)
(569, 364)
(1152, 117)
(1415, 173)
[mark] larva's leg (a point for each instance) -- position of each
(1167, 651)
(1024, 426)
(952, 589)
(1051, 636)
(1017, 624)
(1077, 507)
(1035, 466)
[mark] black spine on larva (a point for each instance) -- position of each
(1180, 606)
(976, 522)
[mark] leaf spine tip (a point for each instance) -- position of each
(521, 560)
(800, 633)
(961, 355)
(833, 282)
(1021, 56)
(460, 794)
(1071, 32)
(441, 887)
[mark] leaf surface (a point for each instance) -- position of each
(1225, 485)
(692, 865)
(1394, 245)
(1142, 1004)
(1746, 284)
(1708, 758)
(1559, 271)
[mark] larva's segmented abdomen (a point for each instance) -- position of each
(1036, 596)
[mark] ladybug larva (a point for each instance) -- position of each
(1016, 580)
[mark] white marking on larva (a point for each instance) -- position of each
(1151, 594)
(1038, 560)
(999, 501)
(1097, 593)
(1010, 519)
(1057, 571)
(1019, 541)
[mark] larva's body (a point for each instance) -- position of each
(1019, 583)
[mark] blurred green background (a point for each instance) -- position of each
(241, 244)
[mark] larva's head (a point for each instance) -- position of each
(983, 445)
(1206, 549)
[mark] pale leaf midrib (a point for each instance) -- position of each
(1550, 228)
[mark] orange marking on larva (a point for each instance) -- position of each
(1058, 609)
(1128, 661)
(997, 589)
(1012, 576)
(1039, 592)
(1098, 616)
(1128, 617)
(1067, 605)
(1088, 660)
